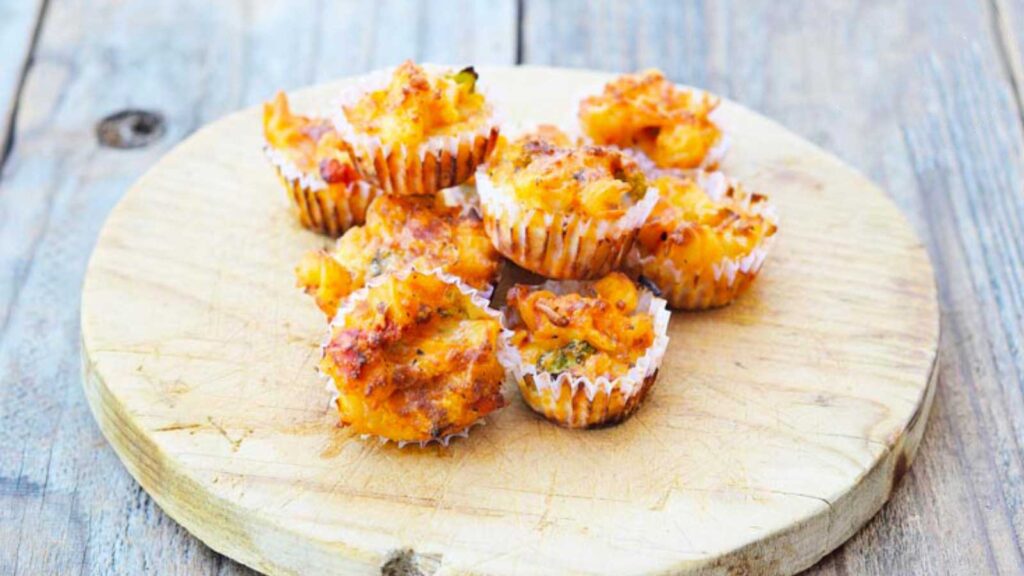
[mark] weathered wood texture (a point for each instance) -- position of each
(18, 24)
(917, 95)
(66, 504)
(920, 97)
(1008, 18)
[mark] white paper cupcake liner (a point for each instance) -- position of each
(719, 283)
(323, 208)
(703, 289)
(443, 441)
(634, 382)
(566, 245)
(438, 163)
(475, 297)
(463, 197)
(717, 152)
(289, 171)
(715, 184)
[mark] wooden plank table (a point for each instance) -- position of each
(925, 98)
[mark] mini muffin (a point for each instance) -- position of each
(413, 357)
(706, 240)
(561, 210)
(320, 176)
(401, 232)
(586, 354)
(672, 126)
(418, 128)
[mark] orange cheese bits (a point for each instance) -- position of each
(589, 336)
(415, 359)
(401, 232)
(418, 104)
(670, 125)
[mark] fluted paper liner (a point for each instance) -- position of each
(475, 297)
(579, 402)
(438, 163)
(329, 209)
(717, 152)
(563, 245)
(724, 280)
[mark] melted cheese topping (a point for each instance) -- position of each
(696, 231)
(585, 335)
(546, 171)
(646, 111)
(310, 143)
(399, 232)
(417, 105)
(416, 360)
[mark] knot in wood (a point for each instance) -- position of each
(130, 129)
(407, 562)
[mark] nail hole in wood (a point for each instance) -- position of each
(130, 129)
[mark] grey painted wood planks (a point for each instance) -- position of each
(920, 97)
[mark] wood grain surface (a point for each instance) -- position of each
(19, 23)
(919, 96)
(779, 424)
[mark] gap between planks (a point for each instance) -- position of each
(1009, 55)
(520, 18)
(12, 113)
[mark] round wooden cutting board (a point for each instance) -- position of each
(778, 427)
